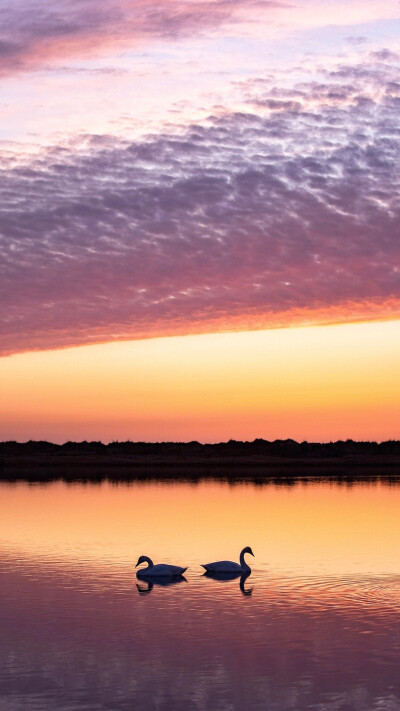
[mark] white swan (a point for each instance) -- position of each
(228, 566)
(162, 570)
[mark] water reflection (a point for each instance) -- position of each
(321, 632)
(147, 585)
(231, 576)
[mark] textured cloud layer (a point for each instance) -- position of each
(258, 217)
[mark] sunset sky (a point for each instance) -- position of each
(199, 219)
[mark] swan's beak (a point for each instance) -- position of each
(137, 564)
(251, 553)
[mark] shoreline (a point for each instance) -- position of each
(180, 466)
(260, 460)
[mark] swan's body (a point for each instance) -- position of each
(162, 570)
(228, 566)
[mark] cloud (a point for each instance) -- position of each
(35, 33)
(267, 216)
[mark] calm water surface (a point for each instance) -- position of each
(316, 625)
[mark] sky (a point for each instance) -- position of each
(183, 184)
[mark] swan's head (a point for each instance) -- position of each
(248, 550)
(142, 559)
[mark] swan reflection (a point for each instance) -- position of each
(148, 584)
(221, 577)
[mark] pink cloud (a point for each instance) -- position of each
(35, 34)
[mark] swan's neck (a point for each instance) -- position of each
(243, 563)
(148, 560)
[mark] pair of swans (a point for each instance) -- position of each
(220, 568)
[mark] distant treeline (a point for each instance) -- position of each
(278, 447)
(283, 461)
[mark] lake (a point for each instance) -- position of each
(315, 626)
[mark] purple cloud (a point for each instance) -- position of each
(244, 221)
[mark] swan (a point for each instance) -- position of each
(228, 566)
(162, 570)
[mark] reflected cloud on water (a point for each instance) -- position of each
(72, 643)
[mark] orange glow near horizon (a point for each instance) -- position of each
(315, 383)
